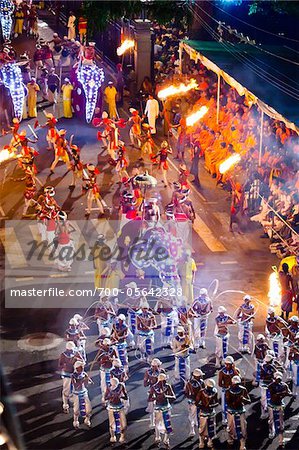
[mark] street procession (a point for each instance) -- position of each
(149, 224)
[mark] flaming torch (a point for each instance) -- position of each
(274, 293)
(5, 155)
(229, 163)
(126, 45)
(175, 90)
(195, 117)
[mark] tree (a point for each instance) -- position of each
(263, 7)
(98, 13)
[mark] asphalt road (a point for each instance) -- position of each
(239, 263)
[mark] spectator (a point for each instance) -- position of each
(120, 83)
(19, 21)
(110, 98)
(287, 291)
(33, 89)
(152, 112)
(53, 85)
(67, 89)
(71, 26)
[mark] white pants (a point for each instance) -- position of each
(65, 256)
(245, 336)
(177, 368)
(221, 347)
(277, 347)
(66, 392)
(231, 427)
(192, 416)
(141, 342)
(264, 400)
(88, 408)
(166, 340)
(112, 427)
(42, 229)
(295, 377)
(151, 411)
(200, 325)
(134, 138)
(103, 384)
(160, 430)
(103, 324)
(203, 426)
(50, 236)
(223, 405)
(272, 429)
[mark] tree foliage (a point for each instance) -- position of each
(280, 7)
(98, 13)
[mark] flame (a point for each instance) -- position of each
(229, 163)
(274, 293)
(5, 155)
(195, 117)
(126, 45)
(175, 90)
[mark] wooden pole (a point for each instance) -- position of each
(218, 98)
(261, 138)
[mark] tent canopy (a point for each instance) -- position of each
(273, 82)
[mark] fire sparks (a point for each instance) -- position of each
(175, 90)
(274, 293)
(126, 45)
(229, 163)
(195, 117)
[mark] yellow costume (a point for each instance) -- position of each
(67, 100)
(100, 267)
(110, 98)
(33, 89)
(19, 16)
(114, 276)
(186, 272)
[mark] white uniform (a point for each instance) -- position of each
(152, 111)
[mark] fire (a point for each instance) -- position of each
(5, 155)
(229, 163)
(195, 117)
(126, 45)
(274, 293)
(175, 90)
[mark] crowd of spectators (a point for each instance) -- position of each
(269, 181)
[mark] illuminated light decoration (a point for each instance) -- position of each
(11, 76)
(274, 293)
(229, 163)
(195, 117)
(175, 90)
(6, 12)
(126, 45)
(91, 78)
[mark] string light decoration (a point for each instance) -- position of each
(11, 76)
(6, 12)
(91, 78)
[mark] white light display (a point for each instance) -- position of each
(91, 77)
(6, 12)
(11, 76)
